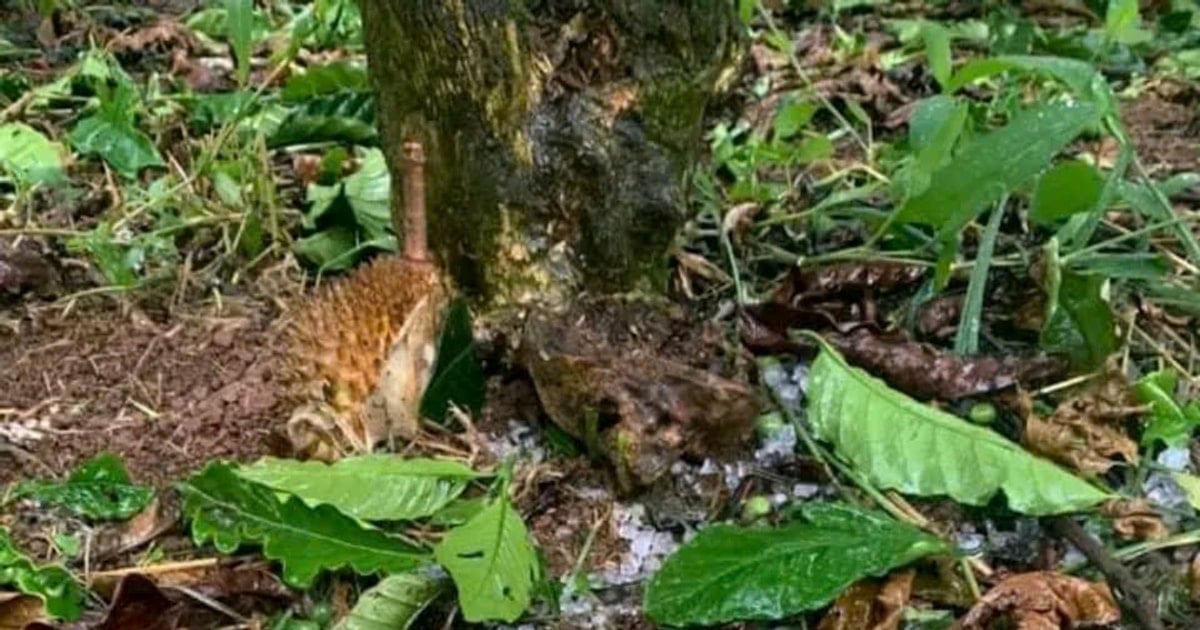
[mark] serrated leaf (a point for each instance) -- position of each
(369, 487)
(1169, 422)
(54, 585)
(28, 155)
(728, 573)
(492, 562)
(1081, 324)
(993, 165)
(902, 444)
(231, 511)
(393, 604)
(1068, 188)
(339, 117)
(457, 377)
(98, 489)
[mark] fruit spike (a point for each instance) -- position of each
(361, 350)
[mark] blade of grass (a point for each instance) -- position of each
(967, 340)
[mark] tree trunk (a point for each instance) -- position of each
(558, 134)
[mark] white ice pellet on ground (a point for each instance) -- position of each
(648, 547)
(1175, 458)
(1162, 490)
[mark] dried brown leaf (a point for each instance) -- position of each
(139, 605)
(164, 35)
(846, 281)
(1085, 432)
(938, 318)
(870, 605)
(18, 611)
(1134, 519)
(1044, 601)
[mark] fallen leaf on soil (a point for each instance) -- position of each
(1134, 519)
(1044, 601)
(18, 611)
(938, 318)
(869, 605)
(1085, 431)
(139, 605)
(164, 35)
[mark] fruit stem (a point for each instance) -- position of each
(416, 246)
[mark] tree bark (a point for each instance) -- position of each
(558, 135)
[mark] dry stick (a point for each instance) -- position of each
(416, 246)
(1141, 602)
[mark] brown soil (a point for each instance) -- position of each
(1164, 122)
(166, 394)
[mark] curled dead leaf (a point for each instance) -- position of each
(870, 605)
(1044, 601)
(1134, 519)
(1085, 432)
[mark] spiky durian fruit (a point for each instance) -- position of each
(361, 351)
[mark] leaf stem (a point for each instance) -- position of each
(967, 340)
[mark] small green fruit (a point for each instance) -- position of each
(982, 413)
(756, 507)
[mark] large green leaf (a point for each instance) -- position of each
(111, 134)
(457, 377)
(52, 584)
(28, 155)
(340, 117)
(902, 444)
(492, 562)
(231, 511)
(369, 487)
(934, 129)
(1068, 188)
(368, 192)
(728, 573)
(1169, 421)
(334, 78)
(393, 604)
(993, 165)
(99, 489)
(1081, 77)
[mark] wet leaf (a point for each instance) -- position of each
(393, 604)
(729, 573)
(1068, 188)
(1085, 431)
(1169, 421)
(992, 165)
(493, 563)
(869, 605)
(99, 489)
(457, 378)
(27, 155)
(369, 487)
(53, 585)
(1044, 600)
(1081, 324)
(1134, 519)
(904, 445)
(230, 512)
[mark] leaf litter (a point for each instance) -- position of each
(131, 392)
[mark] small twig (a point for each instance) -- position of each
(1140, 601)
(158, 569)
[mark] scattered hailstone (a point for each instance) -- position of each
(805, 490)
(777, 448)
(520, 440)
(969, 543)
(1162, 490)
(1175, 458)
(648, 547)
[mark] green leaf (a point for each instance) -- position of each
(814, 148)
(1170, 422)
(52, 584)
(340, 77)
(937, 51)
(457, 377)
(239, 28)
(368, 191)
(728, 573)
(111, 134)
(1068, 188)
(934, 129)
(1081, 77)
(328, 249)
(910, 447)
(230, 512)
(1080, 323)
(370, 487)
(1130, 266)
(28, 155)
(492, 562)
(1123, 24)
(99, 489)
(347, 117)
(392, 604)
(993, 165)
(792, 116)
(1191, 487)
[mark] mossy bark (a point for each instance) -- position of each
(558, 134)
